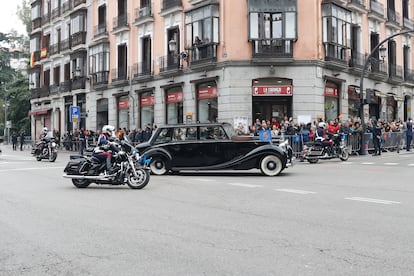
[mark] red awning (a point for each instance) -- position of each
(38, 112)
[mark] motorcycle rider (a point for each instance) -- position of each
(43, 134)
(321, 136)
(106, 147)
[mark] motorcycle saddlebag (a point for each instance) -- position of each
(73, 166)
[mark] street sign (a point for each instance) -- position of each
(74, 114)
(8, 124)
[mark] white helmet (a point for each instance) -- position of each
(45, 129)
(108, 129)
(322, 125)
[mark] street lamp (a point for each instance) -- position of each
(361, 84)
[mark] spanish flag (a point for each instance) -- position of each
(32, 59)
(43, 53)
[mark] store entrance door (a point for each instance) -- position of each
(271, 108)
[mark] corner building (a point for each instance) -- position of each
(131, 63)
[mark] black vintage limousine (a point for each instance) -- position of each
(212, 146)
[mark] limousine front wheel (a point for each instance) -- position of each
(158, 165)
(271, 165)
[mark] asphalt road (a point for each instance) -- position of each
(330, 218)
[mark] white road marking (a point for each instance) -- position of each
(367, 163)
(245, 185)
(391, 164)
(411, 165)
(373, 200)
(347, 163)
(31, 169)
(202, 179)
(302, 192)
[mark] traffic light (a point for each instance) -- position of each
(369, 95)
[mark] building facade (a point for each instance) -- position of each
(132, 63)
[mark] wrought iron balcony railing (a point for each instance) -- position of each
(168, 4)
(100, 30)
(142, 69)
(335, 52)
(169, 62)
(273, 47)
(78, 39)
(120, 21)
(99, 78)
(119, 74)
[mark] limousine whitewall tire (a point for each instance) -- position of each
(158, 165)
(271, 165)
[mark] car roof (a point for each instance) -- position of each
(193, 125)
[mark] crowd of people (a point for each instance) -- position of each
(353, 126)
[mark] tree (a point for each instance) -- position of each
(24, 14)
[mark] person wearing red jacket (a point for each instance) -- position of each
(333, 127)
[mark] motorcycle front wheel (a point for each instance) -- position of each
(52, 157)
(139, 181)
(80, 183)
(344, 154)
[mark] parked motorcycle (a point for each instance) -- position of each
(335, 148)
(129, 168)
(46, 149)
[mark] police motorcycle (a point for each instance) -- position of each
(325, 149)
(128, 168)
(46, 148)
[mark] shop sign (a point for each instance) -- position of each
(123, 104)
(273, 90)
(175, 97)
(331, 91)
(207, 93)
(147, 101)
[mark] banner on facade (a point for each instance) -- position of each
(123, 104)
(207, 93)
(175, 97)
(147, 101)
(272, 90)
(331, 91)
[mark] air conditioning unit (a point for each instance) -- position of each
(146, 11)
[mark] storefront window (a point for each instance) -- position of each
(391, 109)
(147, 108)
(331, 102)
(353, 101)
(174, 102)
(207, 102)
(123, 112)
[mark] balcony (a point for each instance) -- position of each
(377, 66)
(65, 86)
(120, 22)
(376, 10)
(54, 89)
(169, 63)
(408, 75)
(119, 74)
(408, 24)
(78, 2)
(100, 30)
(40, 92)
(46, 18)
(78, 83)
(36, 23)
(357, 59)
(393, 19)
(78, 39)
(66, 6)
(170, 4)
(55, 13)
(335, 52)
(36, 56)
(65, 44)
(395, 71)
(100, 78)
(54, 49)
(275, 48)
(357, 5)
(142, 69)
(143, 15)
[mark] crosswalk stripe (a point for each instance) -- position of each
(302, 192)
(391, 164)
(245, 185)
(373, 200)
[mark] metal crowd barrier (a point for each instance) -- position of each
(389, 141)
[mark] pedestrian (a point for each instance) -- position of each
(14, 141)
(21, 140)
(82, 141)
(376, 136)
(408, 134)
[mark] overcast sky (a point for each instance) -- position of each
(8, 17)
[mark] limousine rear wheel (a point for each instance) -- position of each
(158, 165)
(271, 165)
